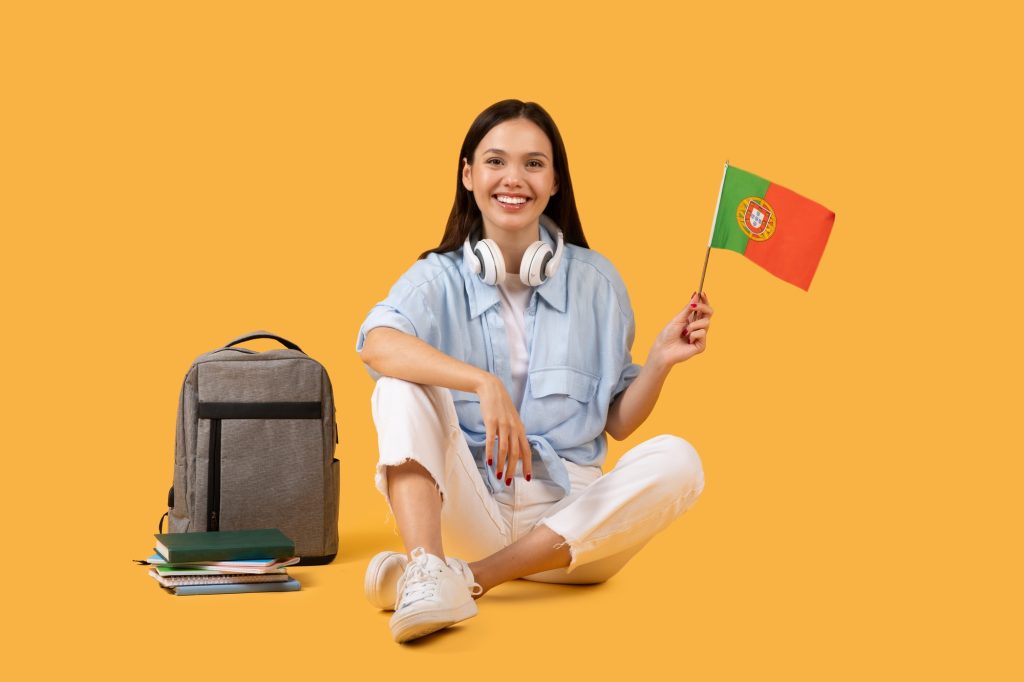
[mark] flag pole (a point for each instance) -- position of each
(711, 235)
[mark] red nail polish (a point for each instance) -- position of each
(490, 462)
(508, 481)
(693, 305)
(499, 476)
(527, 477)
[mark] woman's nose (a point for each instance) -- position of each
(511, 178)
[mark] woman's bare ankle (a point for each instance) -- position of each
(429, 548)
(481, 577)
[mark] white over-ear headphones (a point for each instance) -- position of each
(539, 262)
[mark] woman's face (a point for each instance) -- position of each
(512, 177)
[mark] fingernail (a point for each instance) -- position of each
(527, 477)
(499, 476)
(490, 462)
(508, 481)
(693, 305)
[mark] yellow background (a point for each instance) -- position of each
(176, 174)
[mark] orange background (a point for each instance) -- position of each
(175, 175)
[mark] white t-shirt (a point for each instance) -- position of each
(515, 297)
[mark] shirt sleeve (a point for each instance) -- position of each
(406, 309)
(629, 374)
(630, 370)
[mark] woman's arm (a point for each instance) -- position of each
(680, 340)
(636, 403)
(392, 353)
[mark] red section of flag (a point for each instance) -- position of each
(802, 227)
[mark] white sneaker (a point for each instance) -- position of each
(432, 596)
(381, 581)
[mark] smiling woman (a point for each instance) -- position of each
(502, 124)
(512, 181)
(495, 393)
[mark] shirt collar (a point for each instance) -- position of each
(554, 291)
(482, 296)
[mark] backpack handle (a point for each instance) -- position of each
(264, 335)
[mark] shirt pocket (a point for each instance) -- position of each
(560, 394)
(578, 385)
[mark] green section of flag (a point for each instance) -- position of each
(737, 186)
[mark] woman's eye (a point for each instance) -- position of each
(534, 163)
(493, 162)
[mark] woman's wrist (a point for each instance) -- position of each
(483, 380)
(656, 364)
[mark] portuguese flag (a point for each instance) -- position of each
(776, 228)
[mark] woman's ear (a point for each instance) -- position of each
(467, 175)
(554, 188)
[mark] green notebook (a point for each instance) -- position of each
(225, 545)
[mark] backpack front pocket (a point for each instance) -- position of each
(262, 461)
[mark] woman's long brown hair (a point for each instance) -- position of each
(465, 216)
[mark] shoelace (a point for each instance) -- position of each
(418, 582)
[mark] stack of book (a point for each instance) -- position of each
(224, 562)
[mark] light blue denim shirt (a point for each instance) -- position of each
(579, 328)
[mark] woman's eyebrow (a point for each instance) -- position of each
(495, 150)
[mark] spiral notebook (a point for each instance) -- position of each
(220, 579)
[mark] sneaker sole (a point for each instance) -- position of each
(420, 624)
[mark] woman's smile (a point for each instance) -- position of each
(512, 202)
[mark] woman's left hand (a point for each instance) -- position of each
(686, 335)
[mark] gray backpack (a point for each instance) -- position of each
(255, 447)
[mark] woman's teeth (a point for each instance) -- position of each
(511, 200)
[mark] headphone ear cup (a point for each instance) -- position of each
(471, 258)
(535, 259)
(492, 264)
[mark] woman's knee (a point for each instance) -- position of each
(678, 464)
(405, 402)
(390, 388)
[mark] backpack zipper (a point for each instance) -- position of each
(213, 479)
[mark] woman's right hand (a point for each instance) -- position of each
(502, 420)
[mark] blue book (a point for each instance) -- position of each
(290, 585)
(251, 566)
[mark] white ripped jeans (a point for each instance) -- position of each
(605, 520)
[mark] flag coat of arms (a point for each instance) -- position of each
(776, 228)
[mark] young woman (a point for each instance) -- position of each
(504, 358)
